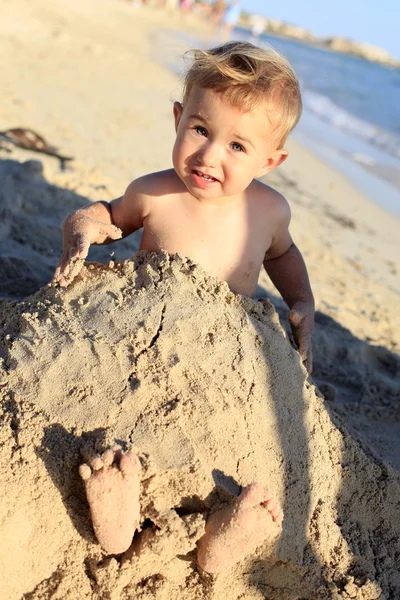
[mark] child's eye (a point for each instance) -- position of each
(200, 130)
(237, 147)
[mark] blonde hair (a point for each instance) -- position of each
(247, 75)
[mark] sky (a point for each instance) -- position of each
(376, 22)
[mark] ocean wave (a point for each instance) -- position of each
(325, 109)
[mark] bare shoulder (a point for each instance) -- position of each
(271, 203)
(141, 196)
(155, 184)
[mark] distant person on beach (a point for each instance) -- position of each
(239, 104)
(229, 20)
(257, 27)
(185, 6)
(217, 11)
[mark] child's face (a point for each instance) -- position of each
(220, 149)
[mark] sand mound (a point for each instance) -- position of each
(203, 383)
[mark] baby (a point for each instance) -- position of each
(239, 104)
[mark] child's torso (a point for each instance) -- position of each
(229, 242)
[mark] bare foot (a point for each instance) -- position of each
(112, 490)
(236, 531)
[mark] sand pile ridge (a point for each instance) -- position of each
(156, 354)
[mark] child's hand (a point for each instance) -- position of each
(301, 319)
(79, 232)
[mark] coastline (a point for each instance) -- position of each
(88, 77)
(128, 129)
(369, 168)
(109, 104)
(375, 176)
(338, 44)
(356, 144)
(119, 126)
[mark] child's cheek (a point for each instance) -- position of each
(192, 137)
(191, 142)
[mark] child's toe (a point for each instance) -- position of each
(97, 463)
(108, 457)
(129, 464)
(253, 495)
(85, 472)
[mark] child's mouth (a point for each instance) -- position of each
(205, 177)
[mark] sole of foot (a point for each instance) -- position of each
(112, 483)
(238, 530)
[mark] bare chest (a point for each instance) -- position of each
(230, 245)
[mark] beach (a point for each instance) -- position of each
(88, 77)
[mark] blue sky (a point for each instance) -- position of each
(372, 21)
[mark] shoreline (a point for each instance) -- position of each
(335, 43)
(350, 243)
(344, 137)
(376, 177)
(154, 353)
(128, 132)
(378, 182)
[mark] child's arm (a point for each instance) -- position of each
(98, 223)
(287, 271)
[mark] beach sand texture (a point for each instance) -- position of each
(204, 383)
(156, 354)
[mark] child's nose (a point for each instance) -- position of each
(209, 154)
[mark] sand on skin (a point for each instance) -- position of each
(346, 517)
(207, 388)
(108, 103)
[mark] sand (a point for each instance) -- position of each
(159, 356)
(205, 385)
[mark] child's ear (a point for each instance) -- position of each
(178, 109)
(274, 160)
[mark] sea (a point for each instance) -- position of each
(351, 116)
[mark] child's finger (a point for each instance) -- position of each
(111, 231)
(305, 352)
(74, 262)
(296, 317)
(66, 267)
(309, 362)
(82, 250)
(304, 346)
(59, 272)
(75, 266)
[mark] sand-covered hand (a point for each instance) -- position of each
(79, 232)
(301, 319)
